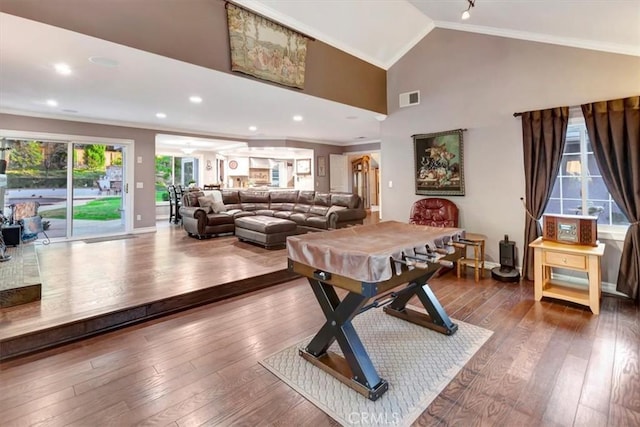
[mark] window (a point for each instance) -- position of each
(579, 188)
(168, 171)
(275, 175)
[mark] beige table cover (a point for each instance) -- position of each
(363, 253)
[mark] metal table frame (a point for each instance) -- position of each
(355, 369)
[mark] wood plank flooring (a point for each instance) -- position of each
(548, 363)
(89, 288)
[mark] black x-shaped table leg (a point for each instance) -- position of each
(437, 318)
(358, 372)
(355, 369)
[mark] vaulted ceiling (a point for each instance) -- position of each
(377, 31)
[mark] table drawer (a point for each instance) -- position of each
(559, 259)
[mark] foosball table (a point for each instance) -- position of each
(370, 262)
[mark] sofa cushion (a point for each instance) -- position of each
(254, 200)
(190, 198)
(252, 207)
(301, 207)
(322, 199)
(230, 197)
(282, 200)
(321, 203)
(238, 213)
(306, 197)
(205, 201)
(334, 208)
(214, 205)
(216, 194)
(283, 196)
(300, 217)
(282, 214)
(264, 212)
(282, 206)
(319, 210)
(218, 206)
(347, 200)
(254, 197)
(264, 224)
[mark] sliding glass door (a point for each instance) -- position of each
(97, 190)
(36, 171)
(80, 187)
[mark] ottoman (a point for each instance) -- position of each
(264, 230)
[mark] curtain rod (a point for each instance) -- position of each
(227, 2)
(570, 108)
(440, 133)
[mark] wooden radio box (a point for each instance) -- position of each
(570, 229)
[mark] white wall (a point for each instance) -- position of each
(477, 82)
(209, 176)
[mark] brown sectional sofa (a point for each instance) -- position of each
(310, 210)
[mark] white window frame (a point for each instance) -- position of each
(605, 231)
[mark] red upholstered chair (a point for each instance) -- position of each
(435, 212)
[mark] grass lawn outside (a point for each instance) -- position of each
(103, 209)
(162, 196)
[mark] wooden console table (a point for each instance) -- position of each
(572, 257)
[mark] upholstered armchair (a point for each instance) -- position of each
(435, 212)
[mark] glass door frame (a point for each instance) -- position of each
(127, 200)
(128, 153)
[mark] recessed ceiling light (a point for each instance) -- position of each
(161, 115)
(297, 118)
(195, 99)
(52, 103)
(104, 61)
(253, 128)
(63, 69)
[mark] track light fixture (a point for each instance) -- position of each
(466, 14)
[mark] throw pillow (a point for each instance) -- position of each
(334, 208)
(218, 206)
(205, 201)
(206, 209)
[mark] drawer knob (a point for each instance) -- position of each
(564, 260)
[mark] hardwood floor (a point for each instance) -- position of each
(89, 287)
(548, 363)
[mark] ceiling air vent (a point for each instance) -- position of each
(409, 98)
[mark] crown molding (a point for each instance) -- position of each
(542, 38)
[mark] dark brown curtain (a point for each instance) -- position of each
(614, 131)
(544, 133)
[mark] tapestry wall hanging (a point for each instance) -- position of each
(439, 163)
(264, 49)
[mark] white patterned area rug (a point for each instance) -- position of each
(417, 362)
